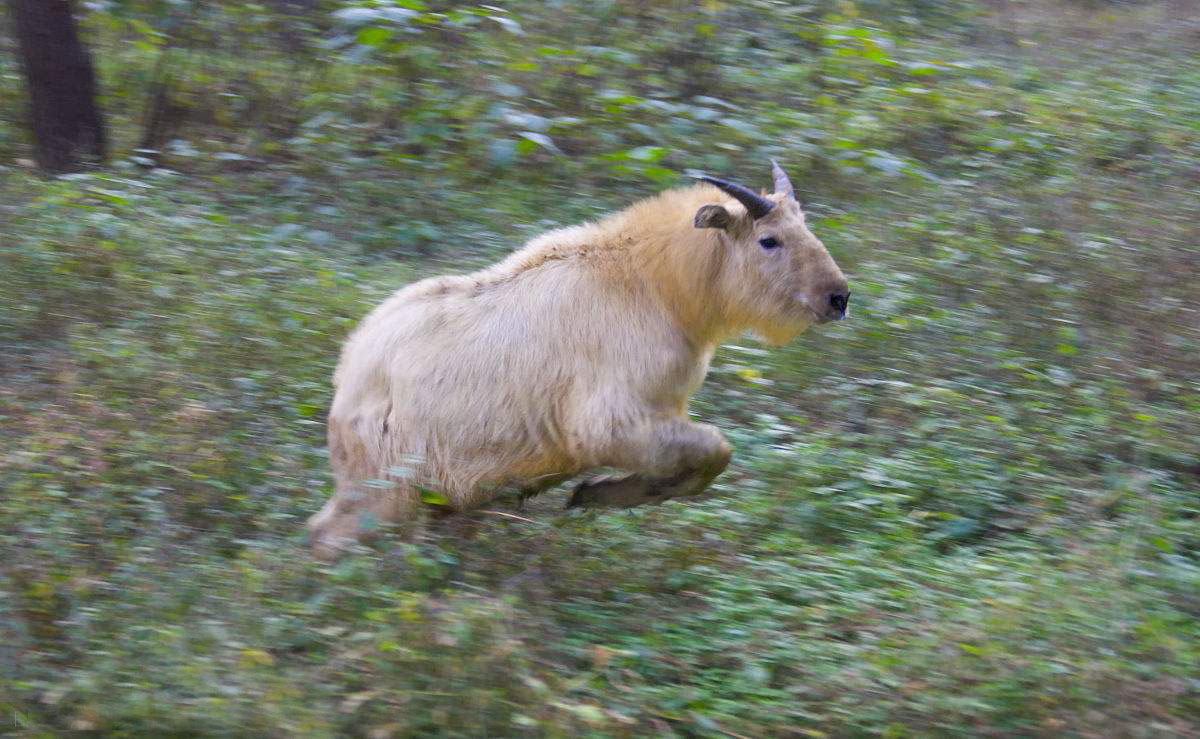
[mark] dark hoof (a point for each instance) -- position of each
(617, 492)
(577, 497)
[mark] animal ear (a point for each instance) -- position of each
(712, 216)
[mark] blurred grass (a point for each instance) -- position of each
(972, 509)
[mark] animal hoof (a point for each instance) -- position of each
(590, 493)
(579, 496)
(612, 492)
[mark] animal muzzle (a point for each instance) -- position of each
(836, 305)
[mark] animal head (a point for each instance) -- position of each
(779, 278)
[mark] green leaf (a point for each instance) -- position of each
(432, 497)
(647, 153)
(541, 140)
(374, 36)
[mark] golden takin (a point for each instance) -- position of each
(577, 352)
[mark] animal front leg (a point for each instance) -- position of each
(669, 460)
(627, 491)
(540, 485)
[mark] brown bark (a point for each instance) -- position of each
(67, 129)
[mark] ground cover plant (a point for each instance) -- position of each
(973, 508)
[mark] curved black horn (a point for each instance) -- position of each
(782, 183)
(756, 204)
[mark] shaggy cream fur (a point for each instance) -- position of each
(578, 351)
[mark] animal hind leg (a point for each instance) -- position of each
(668, 460)
(356, 513)
(360, 505)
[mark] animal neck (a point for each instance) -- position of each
(681, 266)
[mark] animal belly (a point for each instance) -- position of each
(471, 464)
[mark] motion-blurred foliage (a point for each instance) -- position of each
(972, 508)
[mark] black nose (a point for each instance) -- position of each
(837, 304)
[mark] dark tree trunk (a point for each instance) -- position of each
(67, 129)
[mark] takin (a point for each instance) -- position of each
(577, 352)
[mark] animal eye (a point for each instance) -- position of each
(769, 242)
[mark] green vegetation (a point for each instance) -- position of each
(974, 508)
